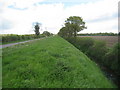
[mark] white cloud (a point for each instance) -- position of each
(21, 3)
(53, 16)
(103, 26)
(103, 13)
(48, 15)
(91, 11)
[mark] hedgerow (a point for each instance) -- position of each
(15, 37)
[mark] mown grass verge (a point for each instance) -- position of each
(50, 63)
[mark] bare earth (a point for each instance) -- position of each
(110, 40)
(11, 44)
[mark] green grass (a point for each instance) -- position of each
(0, 68)
(14, 41)
(50, 63)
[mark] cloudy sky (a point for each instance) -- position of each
(19, 16)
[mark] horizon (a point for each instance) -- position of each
(18, 16)
(57, 33)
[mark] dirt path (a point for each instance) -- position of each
(11, 44)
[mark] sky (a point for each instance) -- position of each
(19, 16)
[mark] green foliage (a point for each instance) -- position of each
(6, 38)
(81, 43)
(119, 34)
(50, 63)
(37, 27)
(99, 34)
(112, 58)
(97, 51)
(94, 49)
(46, 33)
(73, 24)
(63, 32)
(84, 43)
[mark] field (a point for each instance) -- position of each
(50, 63)
(110, 40)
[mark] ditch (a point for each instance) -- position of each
(110, 74)
(96, 51)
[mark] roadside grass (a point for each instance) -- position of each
(17, 41)
(50, 63)
(14, 41)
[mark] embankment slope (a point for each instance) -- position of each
(50, 63)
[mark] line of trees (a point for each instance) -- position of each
(14, 37)
(46, 33)
(99, 34)
(37, 32)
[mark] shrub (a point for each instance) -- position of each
(112, 57)
(84, 43)
(81, 43)
(14, 37)
(97, 51)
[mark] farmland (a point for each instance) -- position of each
(110, 40)
(50, 63)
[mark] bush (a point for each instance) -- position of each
(14, 37)
(107, 58)
(97, 51)
(82, 43)
(112, 57)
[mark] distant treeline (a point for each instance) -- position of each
(99, 34)
(15, 37)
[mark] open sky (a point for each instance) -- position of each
(19, 16)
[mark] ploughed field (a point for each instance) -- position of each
(110, 40)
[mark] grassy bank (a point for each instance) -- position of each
(96, 50)
(50, 63)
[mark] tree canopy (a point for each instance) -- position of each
(46, 33)
(37, 27)
(72, 25)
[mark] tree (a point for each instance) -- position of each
(73, 24)
(37, 27)
(119, 33)
(63, 32)
(46, 33)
